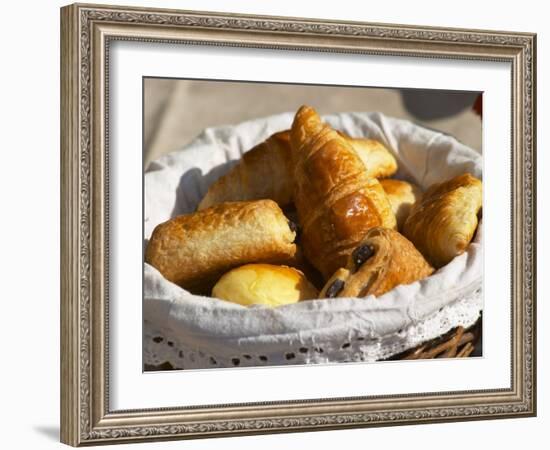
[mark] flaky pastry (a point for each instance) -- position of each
(337, 202)
(443, 223)
(194, 250)
(383, 260)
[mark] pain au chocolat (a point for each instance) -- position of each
(382, 260)
(194, 250)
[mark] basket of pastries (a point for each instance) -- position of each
(301, 239)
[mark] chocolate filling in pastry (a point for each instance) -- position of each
(335, 288)
(361, 254)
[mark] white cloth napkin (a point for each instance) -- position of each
(175, 183)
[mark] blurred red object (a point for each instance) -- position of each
(478, 105)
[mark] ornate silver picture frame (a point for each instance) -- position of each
(87, 31)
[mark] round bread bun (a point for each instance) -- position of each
(264, 284)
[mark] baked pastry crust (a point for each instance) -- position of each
(266, 171)
(337, 202)
(402, 196)
(443, 223)
(378, 160)
(194, 250)
(383, 260)
(264, 284)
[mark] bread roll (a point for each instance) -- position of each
(264, 284)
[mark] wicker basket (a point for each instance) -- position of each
(457, 343)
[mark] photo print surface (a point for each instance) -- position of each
(290, 224)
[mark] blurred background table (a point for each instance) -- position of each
(176, 111)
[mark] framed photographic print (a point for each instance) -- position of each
(276, 225)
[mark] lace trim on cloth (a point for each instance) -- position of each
(161, 347)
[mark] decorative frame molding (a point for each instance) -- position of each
(86, 31)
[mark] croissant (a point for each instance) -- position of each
(194, 250)
(337, 202)
(383, 260)
(266, 171)
(402, 196)
(378, 161)
(443, 223)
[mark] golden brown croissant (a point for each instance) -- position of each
(443, 223)
(337, 202)
(378, 160)
(266, 171)
(264, 284)
(194, 250)
(383, 260)
(402, 196)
